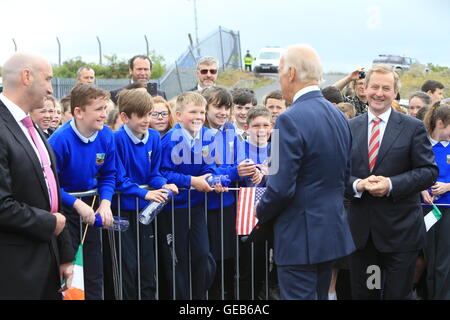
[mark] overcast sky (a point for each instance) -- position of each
(347, 34)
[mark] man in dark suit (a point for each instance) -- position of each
(140, 68)
(207, 73)
(34, 244)
(392, 161)
(304, 199)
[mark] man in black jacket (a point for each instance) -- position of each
(140, 68)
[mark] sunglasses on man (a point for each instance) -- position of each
(205, 71)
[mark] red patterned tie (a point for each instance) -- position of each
(374, 143)
(45, 164)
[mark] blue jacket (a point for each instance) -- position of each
(225, 153)
(84, 166)
(137, 164)
(180, 162)
(304, 199)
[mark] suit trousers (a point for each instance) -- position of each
(397, 273)
(305, 282)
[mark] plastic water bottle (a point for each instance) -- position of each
(223, 180)
(149, 213)
(119, 223)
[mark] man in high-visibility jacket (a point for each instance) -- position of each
(248, 59)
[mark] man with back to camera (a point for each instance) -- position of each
(140, 68)
(304, 199)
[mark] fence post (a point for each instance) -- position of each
(239, 49)
(221, 48)
(178, 77)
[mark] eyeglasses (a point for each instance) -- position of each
(163, 114)
(205, 71)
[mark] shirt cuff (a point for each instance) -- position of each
(357, 193)
(390, 187)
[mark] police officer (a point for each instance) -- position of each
(248, 59)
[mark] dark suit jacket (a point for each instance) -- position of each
(405, 156)
(151, 89)
(26, 226)
(305, 198)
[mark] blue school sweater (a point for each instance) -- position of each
(137, 163)
(180, 161)
(225, 147)
(247, 150)
(84, 165)
(442, 158)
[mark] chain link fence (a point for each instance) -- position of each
(222, 44)
(62, 86)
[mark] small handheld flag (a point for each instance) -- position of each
(77, 290)
(245, 219)
(432, 217)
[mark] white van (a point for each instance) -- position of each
(267, 60)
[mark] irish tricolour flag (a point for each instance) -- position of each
(77, 290)
(432, 217)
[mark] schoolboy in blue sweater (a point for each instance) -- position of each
(138, 160)
(257, 150)
(187, 161)
(85, 156)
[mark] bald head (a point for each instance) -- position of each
(27, 80)
(16, 64)
(305, 60)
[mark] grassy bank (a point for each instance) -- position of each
(412, 80)
(241, 79)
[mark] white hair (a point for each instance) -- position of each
(305, 60)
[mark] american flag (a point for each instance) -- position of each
(245, 219)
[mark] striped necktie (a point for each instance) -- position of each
(374, 142)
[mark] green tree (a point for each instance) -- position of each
(114, 68)
(436, 68)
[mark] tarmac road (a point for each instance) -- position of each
(261, 92)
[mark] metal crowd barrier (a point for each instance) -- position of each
(118, 285)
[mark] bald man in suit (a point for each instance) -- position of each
(34, 243)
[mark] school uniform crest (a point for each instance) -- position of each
(448, 159)
(205, 151)
(99, 159)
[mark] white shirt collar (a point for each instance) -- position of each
(82, 138)
(189, 137)
(214, 130)
(16, 111)
(305, 90)
(434, 142)
(384, 116)
(135, 139)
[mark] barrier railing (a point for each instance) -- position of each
(114, 245)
